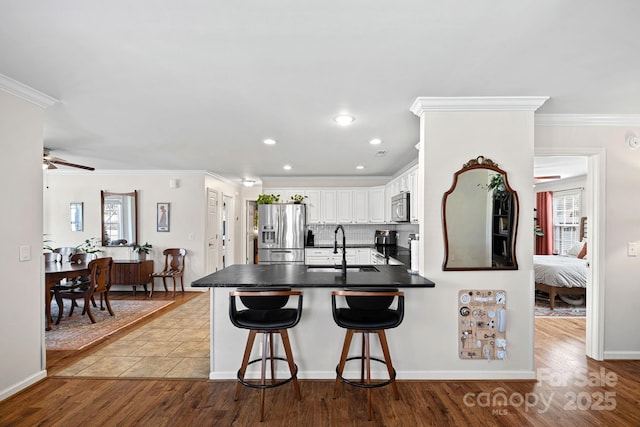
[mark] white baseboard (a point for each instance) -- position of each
(15, 388)
(401, 375)
(622, 355)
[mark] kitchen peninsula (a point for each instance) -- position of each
(316, 340)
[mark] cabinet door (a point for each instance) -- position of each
(344, 206)
(376, 205)
(319, 256)
(363, 256)
(328, 207)
(313, 206)
(414, 203)
(360, 206)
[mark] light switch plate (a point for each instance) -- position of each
(25, 253)
(632, 249)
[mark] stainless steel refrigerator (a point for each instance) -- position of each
(281, 232)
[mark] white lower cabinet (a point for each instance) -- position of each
(325, 256)
(363, 256)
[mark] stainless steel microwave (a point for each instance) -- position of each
(400, 211)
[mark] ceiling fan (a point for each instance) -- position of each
(539, 179)
(49, 162)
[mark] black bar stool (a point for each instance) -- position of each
(368, 312)
(265, 314)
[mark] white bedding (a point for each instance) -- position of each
(560, 271)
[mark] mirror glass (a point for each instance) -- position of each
(119, 218)
(480, 219)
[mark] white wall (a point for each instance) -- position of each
(187, 211)
(507, 139)
(621, 223)
(22, 303)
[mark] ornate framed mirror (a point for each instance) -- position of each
(480, 219)
(119, 218)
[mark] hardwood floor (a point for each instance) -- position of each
(572, 390)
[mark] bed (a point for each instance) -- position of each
(563, 275)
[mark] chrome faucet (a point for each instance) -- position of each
(344, 249)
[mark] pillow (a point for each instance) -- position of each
(583, 252)
(575, 250)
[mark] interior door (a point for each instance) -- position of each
(213, 233)
(228, 227)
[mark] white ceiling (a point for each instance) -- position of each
(199, 84)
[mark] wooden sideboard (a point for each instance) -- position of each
(132, 272)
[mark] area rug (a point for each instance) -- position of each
(77, 332)
(561, 309)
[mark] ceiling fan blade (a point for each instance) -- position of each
(73, 165)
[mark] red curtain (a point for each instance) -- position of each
(544, 213)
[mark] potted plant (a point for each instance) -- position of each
(298, 198)
(267, 199)
(498, 189)
(89, 246)
(142, 250)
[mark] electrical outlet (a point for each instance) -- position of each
(632, 249)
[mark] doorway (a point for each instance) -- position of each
(594, 211)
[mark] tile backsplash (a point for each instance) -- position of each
(360, 234)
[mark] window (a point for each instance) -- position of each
(112, 219)
(566, 220)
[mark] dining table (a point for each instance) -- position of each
(54, 272)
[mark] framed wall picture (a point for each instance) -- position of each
(163, 217)
(76, 216)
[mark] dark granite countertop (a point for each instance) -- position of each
(297, 276)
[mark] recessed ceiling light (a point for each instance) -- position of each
(375, 141)
(344, 119)
(287, 167)
(359, 167)
(269, 141)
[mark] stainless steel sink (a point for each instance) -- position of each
(337, 269)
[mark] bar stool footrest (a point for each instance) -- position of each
(365, 385)
(276, 384)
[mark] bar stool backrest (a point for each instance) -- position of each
(374, 303)
(264, 302)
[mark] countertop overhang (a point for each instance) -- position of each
(297, 276)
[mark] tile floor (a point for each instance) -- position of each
(175, 345)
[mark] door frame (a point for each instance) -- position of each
(596, 161)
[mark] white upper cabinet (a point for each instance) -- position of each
(376, 205)
(414, 188)
(344, 207)
(365, 205)
(360, 206)
(328, 206)
(313, 201)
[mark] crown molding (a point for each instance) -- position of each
(587, 120)
(25, 92)
(477, 103)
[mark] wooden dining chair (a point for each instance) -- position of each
(99, 284)
(173, 268)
